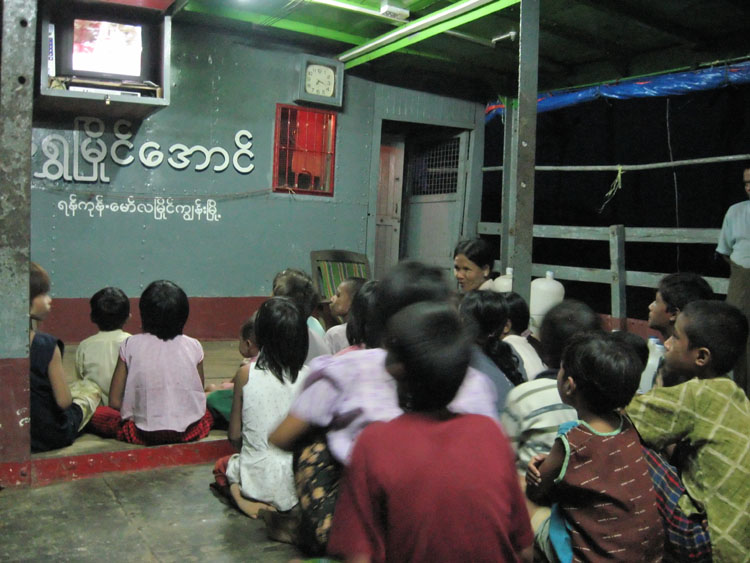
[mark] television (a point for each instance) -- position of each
(100, 47)
(107, 42)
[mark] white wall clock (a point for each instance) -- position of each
(321, 81)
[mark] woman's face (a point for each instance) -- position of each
(469, 275)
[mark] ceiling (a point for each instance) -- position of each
(580, 41)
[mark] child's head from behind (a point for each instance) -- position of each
(708, 338)
(407, 282)
(485, 314)
(281, 334)
(637, 343)
(599, 372)
(428, 355)
(518, 312)
(297, 286)
(357, 326)
(341, 302)
(110, 308)
(248, 343)
(39, 285)
(563, 322)
(164, 309)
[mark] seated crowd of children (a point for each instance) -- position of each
(421, 430)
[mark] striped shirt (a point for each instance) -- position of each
(533, 411)
(709, 419)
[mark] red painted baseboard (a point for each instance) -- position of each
(40, 472)
(211, 318)
(14, 410)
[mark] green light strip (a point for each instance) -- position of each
(290, 25)
(286, 24)
(431, 31)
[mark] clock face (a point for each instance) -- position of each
(320, 80)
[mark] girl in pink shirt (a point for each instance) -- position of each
(156, 395)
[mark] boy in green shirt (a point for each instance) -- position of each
(706, 418)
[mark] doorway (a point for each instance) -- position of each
(422, 182)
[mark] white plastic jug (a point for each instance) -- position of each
(546, 292)
(655, 353)
(504, 283)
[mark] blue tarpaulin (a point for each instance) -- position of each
(663, 85)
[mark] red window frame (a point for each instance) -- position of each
(304, 150)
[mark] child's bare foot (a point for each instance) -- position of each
(249, 507)
(211, 387)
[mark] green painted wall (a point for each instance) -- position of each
(221, 83)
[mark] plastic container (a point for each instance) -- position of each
(504, 283)
(546, 292)
(655, 354)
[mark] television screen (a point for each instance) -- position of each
(107, 47)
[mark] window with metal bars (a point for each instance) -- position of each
(433, 168)
(304, 150)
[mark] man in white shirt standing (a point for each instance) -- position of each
(734, 246)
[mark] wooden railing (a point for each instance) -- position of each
(616, 276)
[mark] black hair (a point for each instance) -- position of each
(164, 309)
(477, 250)
(606, 370)
(519, 315)
(247, 330)
(677, 290)
(406, 283)
(427, 338)
(518, 312)
(561, 323)
(39, 281)
(486, 315)
(298, 286)
(282, 337)
(718, 326)
(637, 343)
(362, 302)
(110, 308)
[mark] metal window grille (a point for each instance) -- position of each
(433, 169)
(305, 144)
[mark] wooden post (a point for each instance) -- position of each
(619, 279)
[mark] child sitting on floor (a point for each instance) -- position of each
(360, 314)
(219, 397)
(57, 412)
(298, 286)
(96, 356)
(430, 485)
(595, 475)
(707, 417)
(248, 349)
(341, 305)
(260, 476)
(156, 395)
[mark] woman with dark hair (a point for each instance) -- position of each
(261, 476)
(472, 265)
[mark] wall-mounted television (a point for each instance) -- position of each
(101, 46)
(100, 42)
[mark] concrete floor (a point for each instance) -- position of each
(162, 515)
